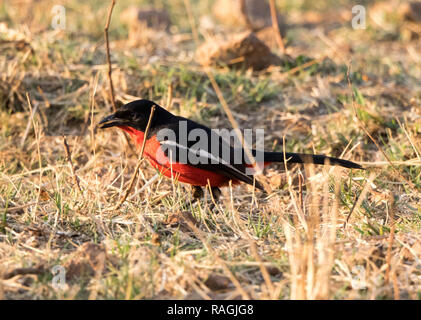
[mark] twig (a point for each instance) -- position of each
(391, 237)
(275, 25)
(234, 123)
(263, 269)
(139, 161)
(409, 138)
(37, 138)
(13, 209)
(107, 43)
(192, 23)
(28, 126)
(243, 8)
(300, 190)
(72, 168)
(109, 74)
(360, 197)
(362, 126)
(298, 208)
(244, 11)
(230, 275)
(169, 96)
(302, 66)
(40, 269)
(253, 247)
(147, 184)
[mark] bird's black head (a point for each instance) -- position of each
(134, 114)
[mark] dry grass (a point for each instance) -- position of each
(291, 243)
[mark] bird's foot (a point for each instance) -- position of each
(215, 195)
(197, 193)
(215, 192)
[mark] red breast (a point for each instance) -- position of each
(183, 172)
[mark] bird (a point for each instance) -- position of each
(195, 154)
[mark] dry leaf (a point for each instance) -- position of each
(217, 282)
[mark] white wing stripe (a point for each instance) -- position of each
(204, 154)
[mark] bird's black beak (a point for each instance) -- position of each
(111, 121)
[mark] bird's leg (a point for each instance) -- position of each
(197, 193)
(216, 194)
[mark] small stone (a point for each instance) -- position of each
(240, 50)
(217, 282)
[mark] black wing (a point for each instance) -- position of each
(186, 141)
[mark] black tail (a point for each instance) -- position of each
(309, 158)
